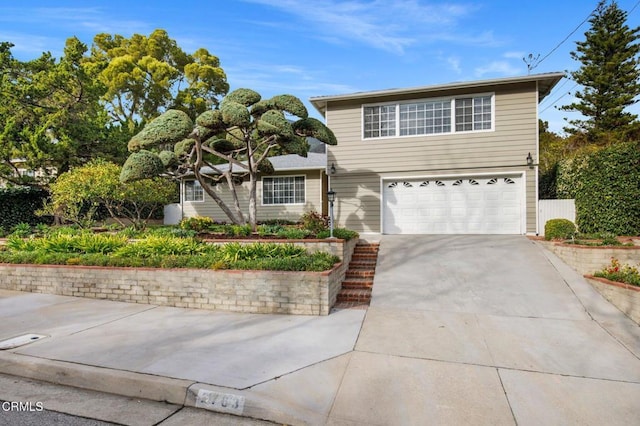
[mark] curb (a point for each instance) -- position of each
(100, 379)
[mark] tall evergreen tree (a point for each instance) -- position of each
(609, 75)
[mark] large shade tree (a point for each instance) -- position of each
(50, 116)
(609, 75)
(147, 75)
(226, 145)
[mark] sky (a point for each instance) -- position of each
(313, 48)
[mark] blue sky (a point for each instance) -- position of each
(327, 47)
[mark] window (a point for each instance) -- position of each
(193, 191)
(283, 190)
(379, 121)
(473, 113)
(425, 118)
(428, 117)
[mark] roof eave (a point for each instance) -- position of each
(548, 80)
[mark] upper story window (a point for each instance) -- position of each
(428, 117)
(379, 121)
(193, 191)
(283, 190)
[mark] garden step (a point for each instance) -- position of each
(354, 283)
(359, 273)
(354, 295)
(350, 305)
(364, 256)
(363, 265)
(360, 249)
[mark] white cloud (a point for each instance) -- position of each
(390, 26)
(500, 68)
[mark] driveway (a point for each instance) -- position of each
(488, 330)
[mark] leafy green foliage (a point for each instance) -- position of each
(169, 128)
(98, 184)
(340, 233)
(559, 229)
(160, 252)
(197, 223)
(21, 230)
(609, 73)
(606, 187)
(293, 233)
(145, 74)
(314, 221)
(141, 165)
(242, 134)
(19, 204)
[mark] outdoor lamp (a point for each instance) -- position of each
(333, 169)
(331, 197)
(529, 160)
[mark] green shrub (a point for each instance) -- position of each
(197, 223)
(18, 205)
(21, 230)
(292, 233)
(238, 230)
(341, 233)
(265, 230)
(156, 246)
(314, 222)
(606, 187)
(559, 229)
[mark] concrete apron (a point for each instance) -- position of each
(461, 329)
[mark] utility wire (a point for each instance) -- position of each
(531, 67)
(556, 101)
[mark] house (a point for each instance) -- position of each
(455, 158)
(298, 185)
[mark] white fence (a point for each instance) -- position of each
(555, 209)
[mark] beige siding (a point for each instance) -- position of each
(313, 200)
(362, 163)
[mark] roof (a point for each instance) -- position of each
(545, 82)
(283, 163)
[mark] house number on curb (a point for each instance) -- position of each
(221, 402)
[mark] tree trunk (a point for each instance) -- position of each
(253, 205)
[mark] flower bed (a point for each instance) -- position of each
(251, 291)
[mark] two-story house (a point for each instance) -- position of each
(456, 158)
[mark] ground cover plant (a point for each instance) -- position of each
(621, 273)
(80, 247)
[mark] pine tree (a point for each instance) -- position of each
(609, 75)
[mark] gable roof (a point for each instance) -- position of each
(545, 82)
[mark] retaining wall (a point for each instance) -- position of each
(306, 293)
(589, 259)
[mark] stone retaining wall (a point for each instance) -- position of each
(589, 259)
(623, 296)
(306, 293)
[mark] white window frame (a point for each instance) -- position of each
(184, 191)
(452, 109)
(304, 180)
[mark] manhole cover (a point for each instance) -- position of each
(25, 339)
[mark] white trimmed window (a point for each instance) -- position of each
(428, 117)
(379, 121)
(193, 191)
(283, 190)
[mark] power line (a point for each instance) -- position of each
(556, 101)
(532, 66)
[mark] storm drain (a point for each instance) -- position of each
(18, 341)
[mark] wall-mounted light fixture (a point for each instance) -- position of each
(529, 160)
(333, 169)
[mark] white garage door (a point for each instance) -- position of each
(487, 205)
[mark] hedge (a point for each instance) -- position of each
(606, 187)
(19, 204)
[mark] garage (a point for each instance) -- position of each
(460, 205)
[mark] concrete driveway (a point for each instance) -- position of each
(488, 330)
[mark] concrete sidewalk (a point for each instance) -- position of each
(461, 330)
